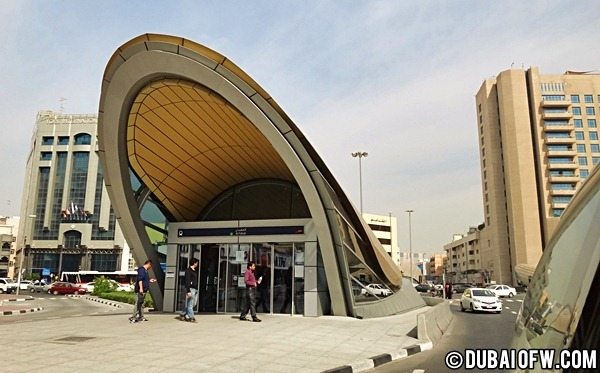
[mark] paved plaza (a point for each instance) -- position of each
(217, 343)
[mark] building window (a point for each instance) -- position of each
(591, 123)
(583, 173)
(104, 262)
(553, 97)
(593, 135)
(557, 212)
(46, 156)
(560, 160)
(83, 139)
(561, 199)
(79, 171)
(558, 148)
(63, 140)
(588, 99)
(562, 186)
(556, 122)
(576, 110)
(579, 135)
(595, 148)
(582, 161)
(580, 148)
(555, 111)
(562, 173)
(589, 110)
(595, 160)
(575, 98)
(72, 239)
(558, 135)
(47, 140)
(578, 123)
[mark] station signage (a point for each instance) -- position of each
(240, 231)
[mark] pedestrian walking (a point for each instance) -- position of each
(142, 285)
(251, 284)
(191, 291)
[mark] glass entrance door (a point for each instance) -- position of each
(208, 278)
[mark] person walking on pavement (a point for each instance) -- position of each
(191, 291)
(251, 284)
(142, 285)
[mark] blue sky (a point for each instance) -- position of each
(394, 78)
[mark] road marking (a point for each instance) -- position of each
(506, 308)
(520, 300)
(418, 371)
(510, 300)
(77, 315)
(53, 318)
(513, 312)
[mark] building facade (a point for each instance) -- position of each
(538, 139)
(385, 228)
(67, 221)
(201, 157)
(436, 267)
(9, 229)
(463, 254)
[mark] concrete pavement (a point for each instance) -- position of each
(217, 343)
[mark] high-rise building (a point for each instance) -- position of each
(67, 222)
(538, 140)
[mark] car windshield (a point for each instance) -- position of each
(483, 293)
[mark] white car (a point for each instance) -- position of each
(376, 289)
(89, 287)
(478, 299)
(7, 285)
(24, 284)
(503, 290)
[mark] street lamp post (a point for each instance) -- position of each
(23, 253)
(410, 244)
(360, 155)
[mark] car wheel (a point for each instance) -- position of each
(462, 308)
(472, 309)
(510, 295)
(1, 291)
(55, 292)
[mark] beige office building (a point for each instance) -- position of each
(67, 221)
(538, 141)
(464, 258)
(385, 228)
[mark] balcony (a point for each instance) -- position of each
(560, 140)
(562, 192)
(568, 166)
(559, 127)
(562, 153)
(557, 115)
(564, 179)
(556, 103)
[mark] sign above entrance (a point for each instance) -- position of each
(249, 231)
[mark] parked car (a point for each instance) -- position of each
(460, 287)
(24, 284)
(38, 287)
(7, 285)
(503, 290)
(479, 299)
(376, 289)
(65, 288)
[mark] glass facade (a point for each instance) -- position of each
(104, 262)
(83, 139)
(107, 233)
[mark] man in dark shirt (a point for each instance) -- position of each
(251, 284)
(142, 285)
(191, 291)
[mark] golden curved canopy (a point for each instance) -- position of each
(188, 145)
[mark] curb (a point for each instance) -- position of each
(19, 312)
(375, 361)
(103, 301)
(18, 299)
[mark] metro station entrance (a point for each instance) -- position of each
(221, 286)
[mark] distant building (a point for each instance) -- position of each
(385, 229)
(9, 228)
(538, 140)
(435, 267)
(464, 258)
(67, 222)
